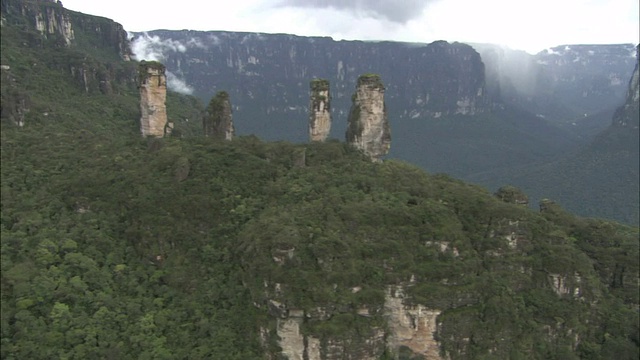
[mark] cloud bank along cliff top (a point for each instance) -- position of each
(519, 24)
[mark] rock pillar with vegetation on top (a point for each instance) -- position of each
(513, 195)
(319, 110)
(218, 121)
(153, 94)
(368, 126)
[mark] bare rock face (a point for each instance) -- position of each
(153, 95)
(319, 110)
(218, 122)
(295, 345)
(48, 17)
(292, 341)
(628, 114)
(408, 328)
(368, 126)
(411, 326)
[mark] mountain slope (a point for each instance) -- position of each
(479, 119)
(606, 169)
(119, 247)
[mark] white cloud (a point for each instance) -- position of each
(178, 85)
(519, 24)
(151, 48)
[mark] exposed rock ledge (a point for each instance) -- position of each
(409, 326)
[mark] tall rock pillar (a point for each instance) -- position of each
(319, 110)
(368, 126)
(218, 122)
(153, 96)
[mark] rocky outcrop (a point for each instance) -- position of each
(153, 95)
(14, 102)
(47, 17)
(58, 25)
(46, 23)
(455, 83)
(218, 122)
(628, 114)
(368, 126)
(513, 195)
(566, 285)
(109, 34)
(292, 341)
(296, 345)
(411, 326)
(319, 110)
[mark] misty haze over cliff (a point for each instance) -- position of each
(152, 48)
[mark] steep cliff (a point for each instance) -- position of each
(319, 110)
(14, 101)
(218, 122)
(47, 17)
(575, 86)
(600, 179)
(411, 326)
(58, 25)
(368, 126)
(628, 115)
(153, 96)
(90, 49)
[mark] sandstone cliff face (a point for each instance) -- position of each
(57, 27)
(15, 101)
(368, 126)
(153, 95)
(55, 23)
(47, 17)
(411, 326)
(408, 327)
(218, 122)
(319, 110)
(628, 114)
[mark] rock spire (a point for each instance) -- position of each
(319, 110)
(218, 122)
(153, 95)
(368, 126)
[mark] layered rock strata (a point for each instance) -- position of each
(411, 326)
(368, 126)
(218, 121)
(319, 110)
(153, 95)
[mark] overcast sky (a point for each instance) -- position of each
(531, 25)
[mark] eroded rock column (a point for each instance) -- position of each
(319, 110)
(153, 96)
(218, 121)
(368, 126)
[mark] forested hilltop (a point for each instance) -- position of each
(115, 246)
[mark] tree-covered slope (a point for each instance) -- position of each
(599, 179)
(171, 248)
(118, 247)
